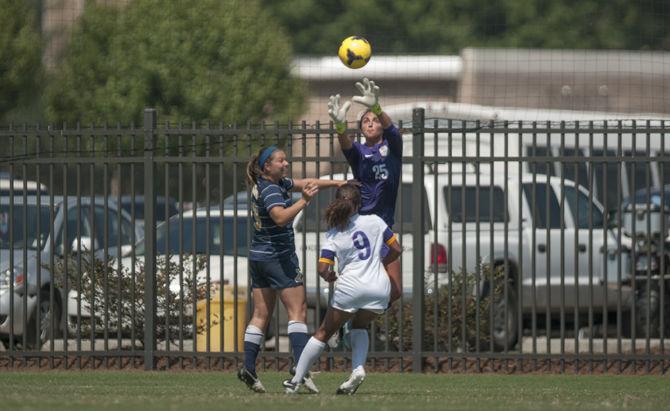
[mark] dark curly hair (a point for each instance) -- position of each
(346, 203)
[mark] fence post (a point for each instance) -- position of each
(418, 118)
(149, 240)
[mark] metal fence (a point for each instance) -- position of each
(529, 246)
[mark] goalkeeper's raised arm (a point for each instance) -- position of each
(376, 163)
(369, 98)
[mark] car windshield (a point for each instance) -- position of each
(654, 197)
(161, 213)
(18, 192)
(24, 221)
(218, 238)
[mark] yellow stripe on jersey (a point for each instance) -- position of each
(391, 240)
(326, 260)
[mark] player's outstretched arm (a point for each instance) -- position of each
(370, 98)
(283, 215)
(338, 113)
(298, 184)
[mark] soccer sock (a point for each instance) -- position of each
(311, 353)
(297, 335)
(360, 343)
(252, 345)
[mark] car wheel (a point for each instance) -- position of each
(647, 309)
(46, 312)
(505, 320)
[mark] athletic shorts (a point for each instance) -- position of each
(276, 274)
(374, 298)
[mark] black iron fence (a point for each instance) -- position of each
(527, 245)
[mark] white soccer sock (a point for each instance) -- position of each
(253, 334)
(310, 353)
(360, 343)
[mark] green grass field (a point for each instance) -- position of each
(130, 390)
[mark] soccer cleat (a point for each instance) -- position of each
(307, 381)
(291, 387)
(350, 386)
(250, 380)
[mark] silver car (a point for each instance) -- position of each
(30, 242)
(206, 236)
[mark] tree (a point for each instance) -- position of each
(221, 60)
(20, 54)
(447, 26)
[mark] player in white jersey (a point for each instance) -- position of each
(362, 288)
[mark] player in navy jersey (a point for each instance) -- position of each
(273, 263)
(362, 288)
(376, 163)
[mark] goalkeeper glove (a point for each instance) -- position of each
(338, 113)
(370, 95)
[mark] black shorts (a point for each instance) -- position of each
(276, 274)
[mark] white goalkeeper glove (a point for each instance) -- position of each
(370, 95)
(338, 113)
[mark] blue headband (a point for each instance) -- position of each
(265, 154)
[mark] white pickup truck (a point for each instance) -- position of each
(518, 220)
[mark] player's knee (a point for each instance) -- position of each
(297, 313)
(322, 334)
(260, 321)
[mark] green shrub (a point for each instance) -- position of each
(453, 326)
(116, 294)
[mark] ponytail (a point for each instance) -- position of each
(346, 203)
(253, 170)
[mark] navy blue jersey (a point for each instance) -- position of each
(270, 241)
(378, 169)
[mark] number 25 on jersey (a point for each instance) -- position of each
(381, 173)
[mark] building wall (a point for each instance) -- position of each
(593, 80)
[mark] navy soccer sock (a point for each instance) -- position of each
(297, 335)
(253, 336)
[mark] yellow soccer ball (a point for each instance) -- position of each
(355, 52)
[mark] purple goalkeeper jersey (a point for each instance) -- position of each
(378, 169)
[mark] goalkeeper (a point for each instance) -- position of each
(376, 163)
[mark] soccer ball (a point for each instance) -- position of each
(355, 52)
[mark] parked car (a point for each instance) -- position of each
(7, 186)
(645, 225)
(26, 250)
(220, 237)
(221, 234)
(606, 141)
(526, 237)
(164, 209)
